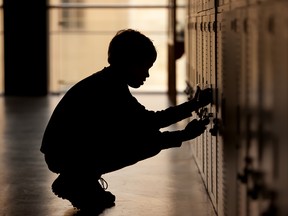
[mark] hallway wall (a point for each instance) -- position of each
(25, 48)
(240, 49)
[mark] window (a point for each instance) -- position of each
(72, 18)
(80, 32)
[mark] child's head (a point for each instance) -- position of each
(130, 47)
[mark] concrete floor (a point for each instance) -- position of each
(166, 185)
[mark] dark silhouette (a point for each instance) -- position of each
(99, 127)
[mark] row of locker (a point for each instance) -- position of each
(199, 6)
(242, 54)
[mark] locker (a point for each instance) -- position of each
(238, 4)
(193, 52)
(212, 140)
(188, 50)
(219, 101)
(222, 3)
(199, 6)
(205, 83)
(230, 72)
(244, 162)
(253, 109)
(274, 70)
(280, 71)
(201, 152)
(210, 4)
(205, 5)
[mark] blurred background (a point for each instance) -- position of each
(239, 48)
(79, 32)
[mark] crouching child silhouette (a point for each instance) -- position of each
(99, 127)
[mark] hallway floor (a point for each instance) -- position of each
(168, 184)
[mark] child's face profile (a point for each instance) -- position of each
(137, 74)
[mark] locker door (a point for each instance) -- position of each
(219, 101)
(249, 112)
(245, 61)
(273, 65)
(195, 45)
(201, 153)
(280, 71)
(212, 139)
(200, 5)
(205, 83)
(188, 50)
(193, 51)
(231, 71)
(193, 75)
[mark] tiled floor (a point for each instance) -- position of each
(166, 185)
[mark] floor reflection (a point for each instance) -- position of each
(166, 185)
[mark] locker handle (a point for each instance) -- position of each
(247, 171)
(214, 26)
(217, 127)
(258, 185)
(244, 177)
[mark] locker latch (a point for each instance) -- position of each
(246, 172)
(217, 127)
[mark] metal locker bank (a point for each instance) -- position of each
(240, 49)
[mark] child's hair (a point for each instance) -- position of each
(130, 46)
